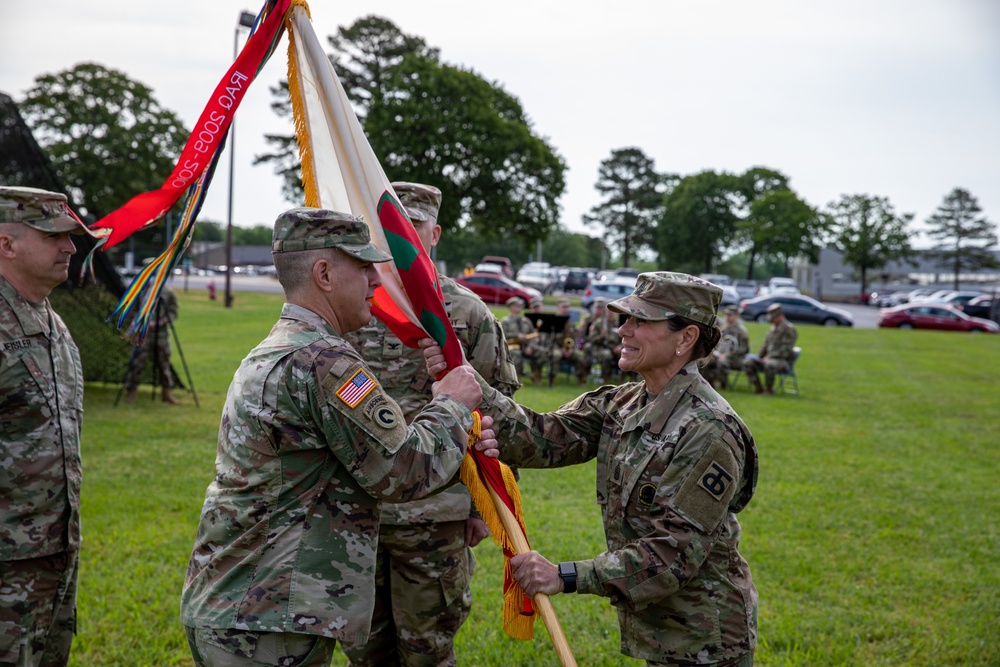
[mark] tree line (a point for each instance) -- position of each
(443, 124)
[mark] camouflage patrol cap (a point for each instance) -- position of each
(314, 228)
(600, 301)
(40, 209)
(422, 202)
(514, 301)
(774, 309)
(536, 301)
(663, 295)
(562, 302)
(731, 310)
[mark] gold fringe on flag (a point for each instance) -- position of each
(299, 114)
(515, 624)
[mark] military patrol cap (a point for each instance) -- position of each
(562, 302)
(600, 301)
(663, 295)
(774, 309)
(514, 300)
(314, 228)
(422, 202)
(40, 209)
(535, 302)
(731, 309)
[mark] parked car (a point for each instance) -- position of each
(798, 308)
(506, 266)
(956, 298)
(981, 306)
(719, 279)
(609, 288)
(542, 279)
(730, 297)
(489, 267)
(933, 316)
(880, 298)
(781, 285)
(747, 289)
(495, 288)
(576, 280)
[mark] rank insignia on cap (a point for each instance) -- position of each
(356, 388)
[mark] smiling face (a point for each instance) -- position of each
(654, 350)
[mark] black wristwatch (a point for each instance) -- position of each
(567, 572)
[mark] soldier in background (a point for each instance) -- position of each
(568, 346)
(424, 563)
(604, 342)
(729, 353)
(522, 339)
(41, 400)
(309, 447)
(157, 343)
(776, 354)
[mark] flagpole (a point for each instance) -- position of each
(541, 600)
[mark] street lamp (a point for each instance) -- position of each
(245, 21)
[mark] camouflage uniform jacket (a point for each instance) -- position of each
(739, 342)
(41, 404)
(779, 342)
(513, 326)
(603, 333)
(672, 471)
(290, 524)
(403, 374)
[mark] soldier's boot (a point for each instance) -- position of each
(723, 383)
(130, 395)
(168, 396)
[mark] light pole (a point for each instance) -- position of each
(245, 21)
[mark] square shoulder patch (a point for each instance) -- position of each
(356, 388)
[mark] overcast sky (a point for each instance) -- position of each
(896, 98)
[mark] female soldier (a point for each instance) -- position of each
(674, 465)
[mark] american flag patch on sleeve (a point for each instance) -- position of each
(356, 388)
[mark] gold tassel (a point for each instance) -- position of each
(302, 137)
(515, 624)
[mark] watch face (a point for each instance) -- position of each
(567, 569)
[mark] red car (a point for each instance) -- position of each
(933, 316)
(494, 288)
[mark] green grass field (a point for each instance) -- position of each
(874, 537)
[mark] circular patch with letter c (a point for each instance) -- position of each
(386, 417)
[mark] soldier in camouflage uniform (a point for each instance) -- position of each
(603, 341)
(41, 401)
(568, 346)
(728, 356)
(522, 339)
(675, 464)
(776, 354)
(157, 341)
(309, 446)
(424, 562)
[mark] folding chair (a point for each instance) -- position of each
(789, 374)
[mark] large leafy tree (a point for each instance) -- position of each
(107, 136)
(965, 236)
(633, 201)
(446, 126)
(869, 233)
(699, 221)
(781, 224)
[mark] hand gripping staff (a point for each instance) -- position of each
(341, 172)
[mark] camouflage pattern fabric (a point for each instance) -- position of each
(572, 353)
(246, 648)
(38, 609)
(422, 582)
(157, 343)
(521, 352)
(309, 445)
(41, 400)
(424, 568)
(673, 469)
(604, 344)
(663, 295)
(775, 354)
(734, 344)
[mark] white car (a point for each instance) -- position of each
(542, 279)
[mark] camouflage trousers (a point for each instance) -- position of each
(527, 354)
(771, 367)
(244, 648)
(422, 596)
(742, 661)
(159, 347)
(716, 369)
(38, 610)
(575, 358)
(608, 361)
